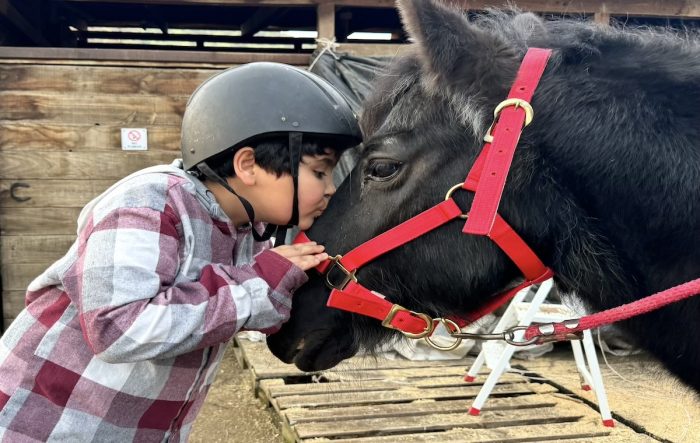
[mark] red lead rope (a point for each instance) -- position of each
(567, 329)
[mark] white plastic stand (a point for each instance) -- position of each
(524, 313)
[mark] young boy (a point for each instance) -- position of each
(122, 337)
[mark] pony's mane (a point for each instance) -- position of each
(572, 39)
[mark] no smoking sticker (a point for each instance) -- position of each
(134, 139)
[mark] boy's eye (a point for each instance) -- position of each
(320, 174)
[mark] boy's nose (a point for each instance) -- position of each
(330, 189)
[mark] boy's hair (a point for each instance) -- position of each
(272, 154)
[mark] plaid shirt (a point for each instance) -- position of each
(122, 337)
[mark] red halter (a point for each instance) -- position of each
(486, 178)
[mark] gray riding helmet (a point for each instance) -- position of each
(261, 99)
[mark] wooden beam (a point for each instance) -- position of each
(34, 248)
(326, 20)
(370, 49)
(602, 17)
(127, 56)
(19, 221)
(23, 166)
(250, 29)
(651, 8)
(21, 23)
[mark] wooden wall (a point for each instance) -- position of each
(60, 122)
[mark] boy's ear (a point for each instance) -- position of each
(244, 165)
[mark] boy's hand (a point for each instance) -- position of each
(304, 255)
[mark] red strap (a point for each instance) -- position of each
(358, 299)
(502, 233)
(516, 248)
(401, 234)
(559, 331)
(500, 300)
(505, 140)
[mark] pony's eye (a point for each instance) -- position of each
(381, 170)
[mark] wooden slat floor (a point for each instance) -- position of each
(378, 400)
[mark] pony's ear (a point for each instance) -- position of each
(451, 49)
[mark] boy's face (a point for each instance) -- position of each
(315, 186)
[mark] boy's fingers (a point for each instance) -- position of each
(307, 262)
(307, 249)
(308, 243)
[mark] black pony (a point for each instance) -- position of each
(604, 186)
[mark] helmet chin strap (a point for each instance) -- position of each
(279, 231)
(294, 160)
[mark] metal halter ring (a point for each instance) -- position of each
(517, 103)
(449, 196)
(452, 328)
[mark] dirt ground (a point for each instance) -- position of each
(232, 413)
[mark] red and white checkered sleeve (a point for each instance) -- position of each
(132, 308)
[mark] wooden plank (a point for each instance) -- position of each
(131, 57)
(527, 433)
(101, 80)
(52, 193)
(211, 2)
(337, 415)
(386, 384)
(419, 370)
(57, 136)
(112, 63)
(238, 355)
(435, 422)
(18, 165)
(17, 276)
(406, 394)
(681, 8)
(33, 248)
(267, 366)
(39, 221)
(12, 303)
(124, 110)
(6, 322)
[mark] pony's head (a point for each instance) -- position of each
(607, 104)
(424, 126)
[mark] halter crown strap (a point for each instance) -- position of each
(511, 120)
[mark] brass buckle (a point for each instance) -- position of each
(429, 326)
(349, 276)
(517, 103)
